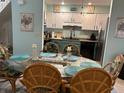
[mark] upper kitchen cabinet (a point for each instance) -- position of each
(72, 18)
(54, 20)
(94, 21)
(88, 21)
(101, 21)
(49, 20)
(57, 20)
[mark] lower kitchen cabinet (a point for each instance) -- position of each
(64, 42)
(92, 50)
(87, 49)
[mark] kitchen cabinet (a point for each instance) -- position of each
(54, 20)
(49, 20)
(88, 21)
(87, 49)
(57, 20)
(64, 42)
(101, 21)
(94, 21)
(74, 18)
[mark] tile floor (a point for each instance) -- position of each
(119, 86)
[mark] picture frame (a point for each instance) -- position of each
(27, 20)
(120, 27)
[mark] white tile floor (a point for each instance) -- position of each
(119, 86)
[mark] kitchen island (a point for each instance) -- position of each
(64, 42)
(88, 48)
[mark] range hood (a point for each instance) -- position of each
(72, 27)
(72, 24)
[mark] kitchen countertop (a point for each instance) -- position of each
(80, 39)
(87, 40)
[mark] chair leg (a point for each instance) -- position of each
(12, 82)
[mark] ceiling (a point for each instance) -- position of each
(79, 2)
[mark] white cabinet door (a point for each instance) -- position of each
(76, 17)
(72, 18)
(88, 21)
(101, 20)
(59, 20)
(67, 17)
(54, 20)
(50, 20)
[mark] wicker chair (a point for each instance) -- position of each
(3, 53)
(74, 49)
(51, 47)
(92, 80)
(41, 78)
(12, 79)
(115, 67)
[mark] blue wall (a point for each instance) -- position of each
(114, 45)
(22, 41)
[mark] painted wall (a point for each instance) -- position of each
(114, 46)
(22, 41)
(66, 8)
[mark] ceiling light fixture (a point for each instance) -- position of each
(89, 3)
(62, 3)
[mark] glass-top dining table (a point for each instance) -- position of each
(68, 65)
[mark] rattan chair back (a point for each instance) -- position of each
(51, 47)
(3, 52)
(74, 50)
(92, 80)
(115, 67)
(41, 77)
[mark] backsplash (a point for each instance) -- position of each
(75, 34)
